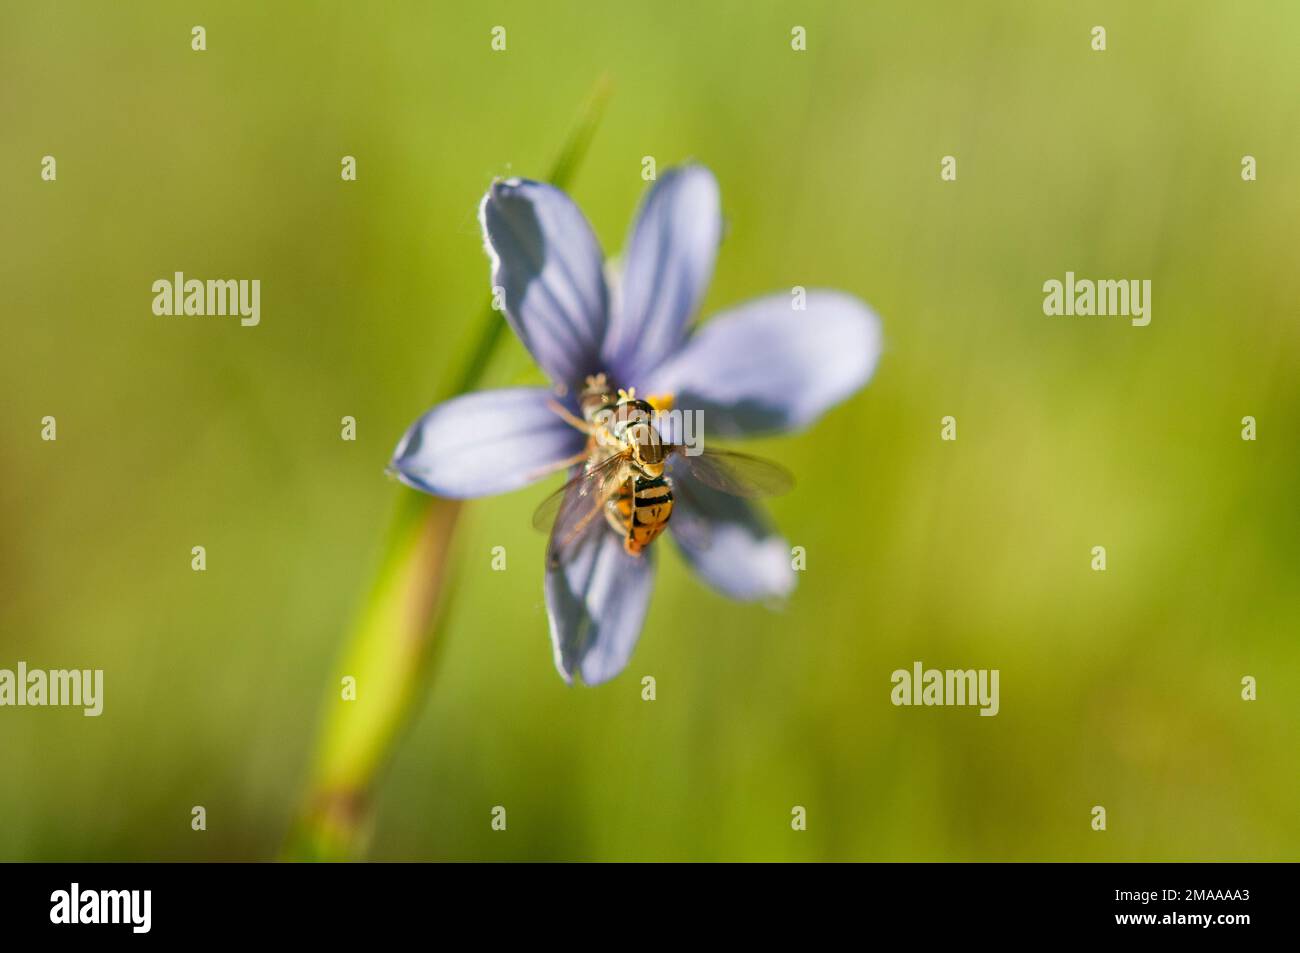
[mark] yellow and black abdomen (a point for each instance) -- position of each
(641, 510)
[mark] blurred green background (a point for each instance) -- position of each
(1118, 688)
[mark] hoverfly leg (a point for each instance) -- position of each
(561, 465)
(570, 418)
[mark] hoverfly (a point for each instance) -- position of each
(624, 476)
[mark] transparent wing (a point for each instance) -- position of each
(576, 507)
(736, 474)
(547, 510)
(688, 525)
(587, 484)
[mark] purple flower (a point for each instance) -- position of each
(762, 367)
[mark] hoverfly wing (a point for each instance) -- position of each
(736, 474)
(585, 484)
(576, 506)
(547, 510)
(688, 523)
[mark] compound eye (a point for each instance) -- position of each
(649, 446)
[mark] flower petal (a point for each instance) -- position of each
(729, 542)
(484, 443)
(546, 258)
(765, 367)
(668, 264)
(596, 604)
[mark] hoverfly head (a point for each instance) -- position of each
(648, 452)
(595, 397)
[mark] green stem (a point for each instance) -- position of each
(387, 656)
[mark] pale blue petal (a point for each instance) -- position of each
(483, 443)
(667, 266)
(546, 258)
(765, 367)
(728, 542)
(596, 604)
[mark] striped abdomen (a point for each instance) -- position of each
(640, 511)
